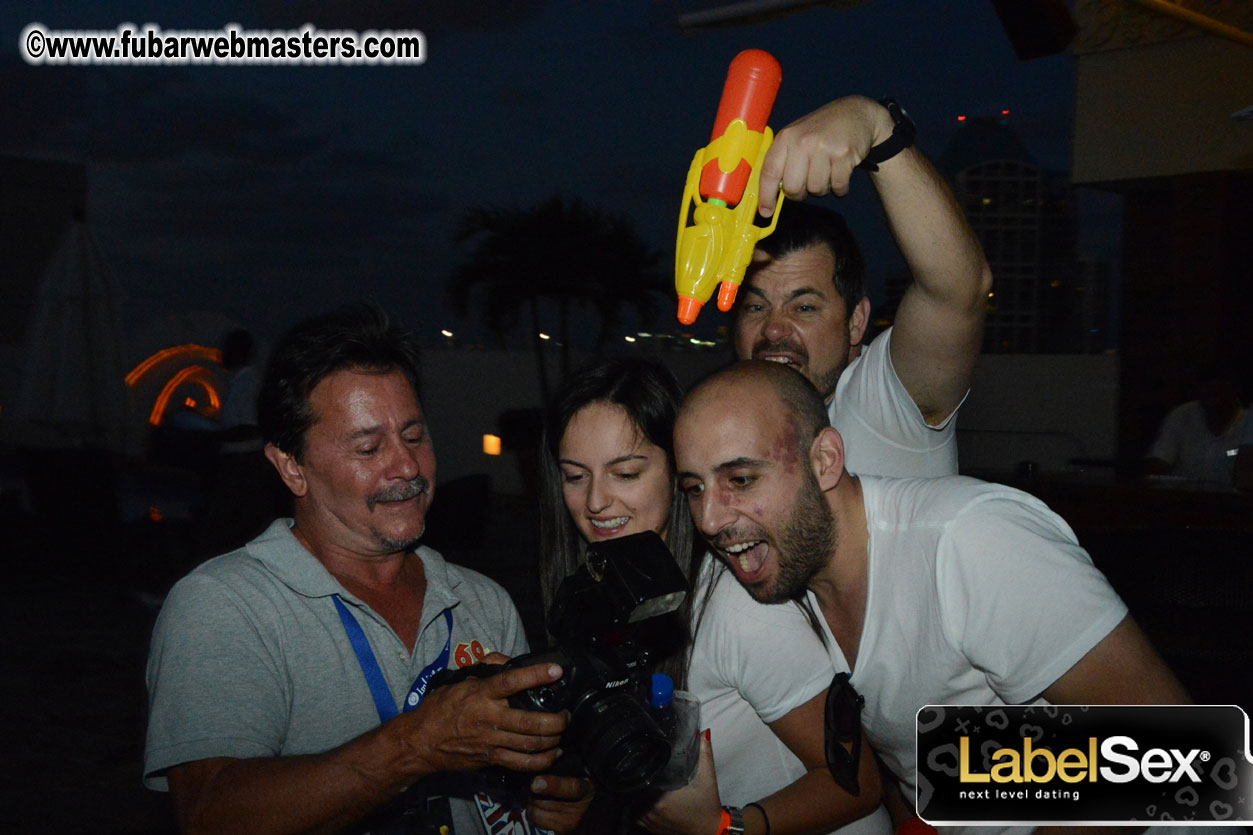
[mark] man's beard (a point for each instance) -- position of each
(396, 546)
(804, 545)
(410, 489)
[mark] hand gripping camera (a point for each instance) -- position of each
(604, 617)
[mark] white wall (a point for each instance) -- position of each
(464, 392)
(1162, 108)
(1043, 408)
(1046, 408)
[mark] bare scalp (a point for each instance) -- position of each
(746, 382)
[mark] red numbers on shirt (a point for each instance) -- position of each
(468, 654)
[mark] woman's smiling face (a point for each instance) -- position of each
(614, 480)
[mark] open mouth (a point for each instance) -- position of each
(790, 360)
(747, 559)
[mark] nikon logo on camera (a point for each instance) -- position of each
(1109, 765)
(1072, 765)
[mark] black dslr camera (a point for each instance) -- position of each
(606, 618)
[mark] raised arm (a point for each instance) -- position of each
(464, 726)
(939, 325)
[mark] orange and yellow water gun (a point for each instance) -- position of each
(722, 186)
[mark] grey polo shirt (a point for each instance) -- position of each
(249, 656)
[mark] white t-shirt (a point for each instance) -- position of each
(1193, 452)
(884, 432)
(977, 594)
(752, 664)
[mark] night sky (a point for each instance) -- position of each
(265, 194)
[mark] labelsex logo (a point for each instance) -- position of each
(1072, 765)
(1117, 765)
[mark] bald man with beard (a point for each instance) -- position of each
(931, 591)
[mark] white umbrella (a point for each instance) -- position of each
(72, 375)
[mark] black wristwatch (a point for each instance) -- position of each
(903, 133)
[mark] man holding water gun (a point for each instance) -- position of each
(803, 301)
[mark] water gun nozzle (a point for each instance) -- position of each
(688, 309)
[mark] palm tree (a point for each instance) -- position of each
(561, 251)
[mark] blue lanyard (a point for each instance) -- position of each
(383, 702)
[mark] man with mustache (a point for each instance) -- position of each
(288, 679)
(803, 301)
(931, 591)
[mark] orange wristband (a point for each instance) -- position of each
(732, 821)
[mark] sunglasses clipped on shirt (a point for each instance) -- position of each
(843, 725)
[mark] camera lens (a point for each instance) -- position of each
(619, 742)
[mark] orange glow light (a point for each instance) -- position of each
(491, 444)
(961, 118)
(190, 349)
(197, 374)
